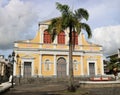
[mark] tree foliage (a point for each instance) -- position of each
(69, 20)
(114, 62)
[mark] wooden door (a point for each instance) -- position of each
(61, 68)
(91, 69)
(27, 69)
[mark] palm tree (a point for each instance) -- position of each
(72, 21)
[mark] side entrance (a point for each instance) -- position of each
(92, 69)
(27, 69)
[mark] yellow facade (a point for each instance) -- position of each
(52, 60)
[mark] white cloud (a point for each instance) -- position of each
(16, 21)
(108, 37)
(103, 12)
(19, 19)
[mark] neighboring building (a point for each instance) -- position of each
(4, 69)
(106, 70)
(116, 55)
(40, 57)
(2, 65)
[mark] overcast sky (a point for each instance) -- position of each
(19, 20)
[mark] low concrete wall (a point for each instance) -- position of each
(98, 84)
(5, 86)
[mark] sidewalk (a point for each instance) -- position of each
(36, 89)
(5, 86)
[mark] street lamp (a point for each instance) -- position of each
(19, 65)
(11, 59)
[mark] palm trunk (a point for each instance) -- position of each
(71, 76)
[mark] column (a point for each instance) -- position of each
(14, 68)
(42, 34)
(40, 65)
(55, 42)
(80, 41)
(82, 65)
(32, 63)
(67, 66)
(55, 66)
(66, 36)
(42, 29)
(22, 67)
(102, 65)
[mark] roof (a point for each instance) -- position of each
(46, 22)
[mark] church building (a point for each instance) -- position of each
(40, 57)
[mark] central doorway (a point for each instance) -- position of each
(61, 67)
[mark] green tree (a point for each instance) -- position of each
(72, 21)
(114, 65)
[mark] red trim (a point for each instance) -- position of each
(100, 78)
(61, 38)
(47, 37)
(75, 38)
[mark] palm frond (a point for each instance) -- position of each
(81, 13)
(52, 25)
(77, 26)
(64, 9)
(87, 28)
(55, 27)
(53, 35)
(69, 19)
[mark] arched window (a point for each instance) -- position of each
(75, 64)
(75, 38)
(47, 64)
(47, 37)
(61, 38)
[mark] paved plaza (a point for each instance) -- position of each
(59, 89)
